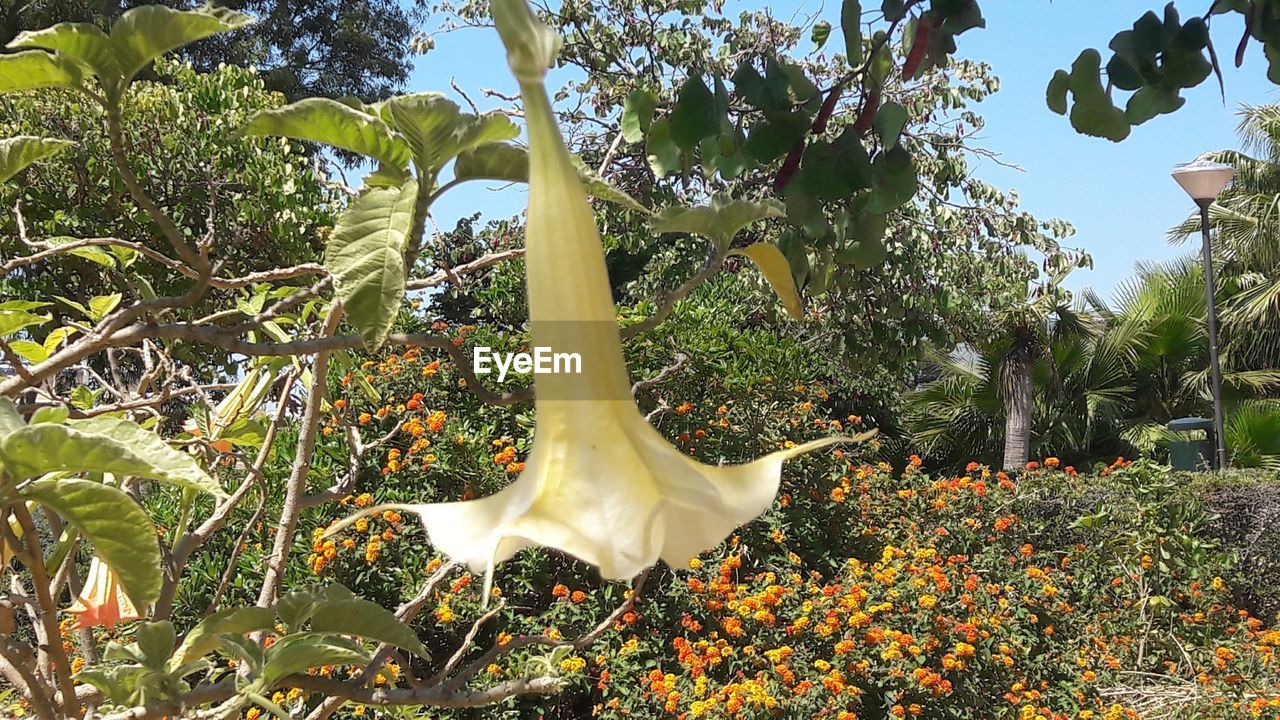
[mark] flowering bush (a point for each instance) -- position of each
(867, 591)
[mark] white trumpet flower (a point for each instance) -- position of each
(599, 483)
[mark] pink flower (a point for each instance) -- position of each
(102, 602)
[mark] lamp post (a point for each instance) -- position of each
(1204, 181)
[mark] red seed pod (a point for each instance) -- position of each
(870, 106)
(918, 47)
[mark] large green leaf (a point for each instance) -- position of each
(144, 33)
(1093, 112)
(437, 129)
(493, 161)
(92, 253)
(720, 221)
(141, 35)
(208, 634)
(773, 138)
(103, 444)
(504, 161)
(10, 418)
(694, 115)
(661, 151)
(303, 651)
(775, 268)
(365, 256)
(32, 352)
(81, 43)
(120, 530)
(851, 26)
(637, 114)
(369, 620)
(36, 69)
(1056, 94)
(333, 123)
(894, 182)
(834, 170)
(16, 315)
(890, 119)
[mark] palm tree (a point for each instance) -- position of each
(1106, 381)
(1246, 240)
(1079, 387)
(1026, 330)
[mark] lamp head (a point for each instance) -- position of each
(1204, 181)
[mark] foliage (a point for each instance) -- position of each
(329, 49)
(260, 202)
(1112, 378)
(884, 226)
(862, 590)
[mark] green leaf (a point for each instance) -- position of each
(112, 256)
(866, 233)
(155, 641)
(767, 92)
(206, 636)
(1056, 95)
(889, 122)
(837, 169)
(894, 10)
(1093, 113)
(295, 608)
(1151, 101)
(369, 620)
(15, 316)
(777, 271)
(493, 161)
(120, 530)
(601, 189)
(1099, 118)
(16, 153)
(54, 340)
(895, 181)
(73, 305)
(102, 305)
(333, 123)
(776, 135)
(851, 26)
(10, 418)
(720, 221)
(56, 414)
(821, 31)
(365, 256)
(36, 69)
(303, 651)
(437, 130)
(102, 444)
(637, 114)
(694, 116)
(32, 352)
(83, 398)
(82, 43)
(661, 151)
(387, 176)
(144, 33)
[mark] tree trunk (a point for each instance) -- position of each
(1019, 409)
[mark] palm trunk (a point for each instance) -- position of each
(1019, 409)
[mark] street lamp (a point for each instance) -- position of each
(1204, 181)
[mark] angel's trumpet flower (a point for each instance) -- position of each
(102, 601)
(600, 483)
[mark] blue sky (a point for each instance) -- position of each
(1119, 196)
